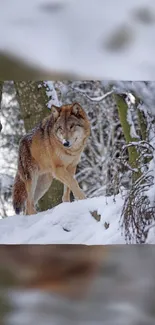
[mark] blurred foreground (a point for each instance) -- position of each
(66, 39)
(89, 285)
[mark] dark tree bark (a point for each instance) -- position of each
(33, 99)
(1, 88)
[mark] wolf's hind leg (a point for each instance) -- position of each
(19, 194)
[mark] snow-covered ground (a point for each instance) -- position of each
(69, 223)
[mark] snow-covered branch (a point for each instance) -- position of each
(93, 99)
(51, 93)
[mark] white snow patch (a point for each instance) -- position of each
(71, 223)
(67, 223)
(52, 94)
(6, 182)
(133, 132)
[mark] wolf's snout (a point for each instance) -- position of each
(66, 143)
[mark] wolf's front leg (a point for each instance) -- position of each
(66, 178)
(66, 195)
(30, 209)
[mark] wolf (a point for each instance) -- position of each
(51, 150)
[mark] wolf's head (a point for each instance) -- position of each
(71, 125)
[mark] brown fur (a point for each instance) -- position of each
(44, 156)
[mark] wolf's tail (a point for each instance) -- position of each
(19, 194)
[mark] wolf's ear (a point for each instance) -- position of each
(77, 110)
(55, 110)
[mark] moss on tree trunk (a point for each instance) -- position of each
(33, 99)
(133, 154)
(142, 125)
(1, 88)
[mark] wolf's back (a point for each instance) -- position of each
(19, 194)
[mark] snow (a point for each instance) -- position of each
(94, 99)
(70, 223)
(133, 133)
(67, 223)
(6, 182)
(98, 39)
(52, 94)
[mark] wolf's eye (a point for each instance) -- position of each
(59, 128)
(72, 126)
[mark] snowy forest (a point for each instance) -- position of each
(116, 170)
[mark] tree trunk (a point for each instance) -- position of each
(33, 99)
(1, 88)
(133, 154)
